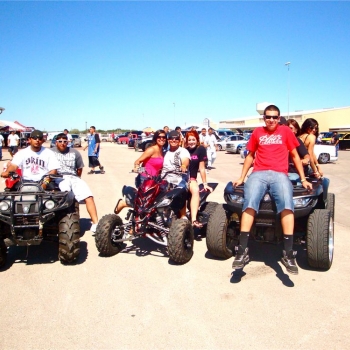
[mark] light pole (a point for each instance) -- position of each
(174, 115)
(1, 109)
(287, 64)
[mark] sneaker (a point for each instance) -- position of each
(240, 259)
(289, 262)
(102, 170)
(93, 228)
(90, 172)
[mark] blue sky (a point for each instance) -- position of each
(125, 64)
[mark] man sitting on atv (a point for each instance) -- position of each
(176, 161)
(270, 145)
(71, 167)
(34, 161)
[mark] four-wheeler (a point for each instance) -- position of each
(154, 213)
(314, 222)
(29, 214)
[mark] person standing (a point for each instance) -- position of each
(211, 148)
(71, 167)
(269, 147)
(335, 142)
(2, 144)
(94, 151)
(12, 143)
(182, 140)
(69, 138)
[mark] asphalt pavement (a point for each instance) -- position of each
(139, 300)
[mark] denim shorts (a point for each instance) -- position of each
(275, 183)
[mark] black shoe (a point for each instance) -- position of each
(240, 259)
(102, 170)
(288, 260)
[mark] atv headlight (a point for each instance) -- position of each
(4, 205)
(50, 204)
(301, 202)
(165, 202)
(236, 199)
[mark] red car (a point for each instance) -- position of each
(125, 139)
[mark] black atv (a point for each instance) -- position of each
(313, 215)
(29, 214)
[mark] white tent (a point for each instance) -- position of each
(11, 125)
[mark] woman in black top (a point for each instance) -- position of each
(198, 156)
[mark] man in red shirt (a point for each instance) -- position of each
(269, 147)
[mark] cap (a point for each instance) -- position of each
(283, 121)
(173, 133)
(36, 133)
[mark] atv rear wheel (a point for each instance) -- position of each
(103, 236)
(320, 239)
(207, 208)
(221, 235)
(330, 204)
(3, 253)
(69, 238)
(180, 241)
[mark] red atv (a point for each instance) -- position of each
(154, 214)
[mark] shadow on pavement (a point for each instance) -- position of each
(144, 246)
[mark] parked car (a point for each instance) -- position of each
(222, 144)
(125, 139)
(76, 141)
(131, 142)
(106, 138)
(235, 144)
(344, 142)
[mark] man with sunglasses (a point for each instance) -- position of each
(71, 167)
(35, 161)
(269, 148)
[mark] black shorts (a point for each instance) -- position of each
(93, 162)
(13, 149)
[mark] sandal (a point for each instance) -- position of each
(196, 223)
(91, 172)
(102, 171)
(116, 209)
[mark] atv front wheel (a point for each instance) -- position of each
(221, 233)
(69, 238)
(180, 241)
(3, 253)
(103, 236)
(207, 208)
(320, 239)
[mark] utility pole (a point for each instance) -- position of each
(287, 64)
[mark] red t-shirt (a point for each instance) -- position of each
(272, 148)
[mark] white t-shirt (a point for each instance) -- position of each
(35, 165)
(69, 139)
(203, 138)
(172, 162)
(211, 142)
(13, 140)
(1, 140)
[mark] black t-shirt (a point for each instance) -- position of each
(198, 154)
(302, 151)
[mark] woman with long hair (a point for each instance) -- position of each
(309, 134)
(151, 159)
(198, 156)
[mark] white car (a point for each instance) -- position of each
(235, 143)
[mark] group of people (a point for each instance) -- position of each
(36, 161)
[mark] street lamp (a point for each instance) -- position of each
(287, 64)
(174, 114)
(1, 109)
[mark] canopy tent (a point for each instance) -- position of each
(11, 125)
(148, 129)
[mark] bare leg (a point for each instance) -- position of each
(91, 208)
(194, 205)
(247, 219)
(120, 206)
(287, 221)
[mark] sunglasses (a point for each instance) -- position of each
(37, 138)
(161, 137)
(275, 117)
(174, 139)
(62, 141)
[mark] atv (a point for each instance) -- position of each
(29, 214)
(154, 215)
(313, 216)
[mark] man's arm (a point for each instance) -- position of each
(246, 166)
(79, 172)
(185, 162)
(10, 168)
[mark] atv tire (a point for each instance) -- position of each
(3, 253)
(69, 238)
(320, 239)
(207, 208)
(103, 236)
(180, 241)
(221, 233)
(330, 204)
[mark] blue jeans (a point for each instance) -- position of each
(275, 183)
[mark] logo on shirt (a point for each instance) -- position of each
(270, 140)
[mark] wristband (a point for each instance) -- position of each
(302, 180)
(316, 165)
(205, 183)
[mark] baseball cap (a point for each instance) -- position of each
(173, 133)
(36, 133)
(283, 121)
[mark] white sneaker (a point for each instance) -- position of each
(93, 228)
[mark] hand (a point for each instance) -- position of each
(4, 174)
(207, 188)
(307, 185)
(237, 182)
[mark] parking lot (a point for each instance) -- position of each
(138, 299)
